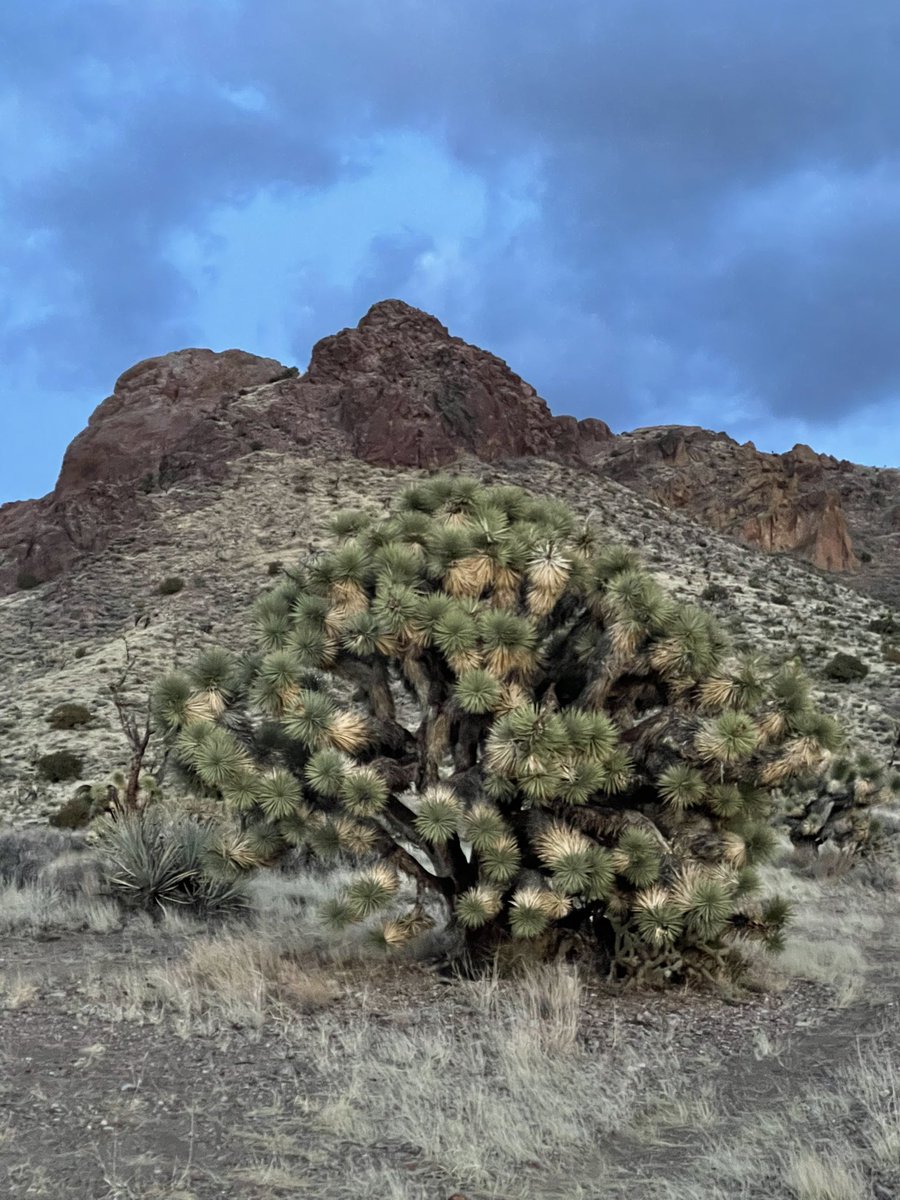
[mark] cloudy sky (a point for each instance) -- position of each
(655, 210)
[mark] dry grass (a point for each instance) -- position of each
(832, 921)
(16, 990)
(875, 1085)
(34, 908)
(506, 1103)
(835, 962)
(544, 1006)
(834, 1138)
(814, 1176)
(233, 980)
(496, 1093)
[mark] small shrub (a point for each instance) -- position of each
(846, 668)
(781, 598)
(59, 767)
(26, 580)
(885, 625)
(302, 481)
(171, 585)
(714, 591)
(76, 812)
(69, 716)
(257, 445)
(275, 566)
(75, 874)
(891, 653)
(80, 652)
(865, 556)
(155, 861)
(24, 853)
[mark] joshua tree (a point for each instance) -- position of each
(472, 692)
(131, 791)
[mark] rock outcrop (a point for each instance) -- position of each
(397, 390)
(409, 394)
(776, 502)
(165, 421)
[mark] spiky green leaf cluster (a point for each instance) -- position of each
(476, 691)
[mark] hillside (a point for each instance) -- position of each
(216, 468)
(176, 1057)
(65, 641)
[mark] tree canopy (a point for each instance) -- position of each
(474, 692)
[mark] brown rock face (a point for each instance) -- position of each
(164, 422)
(164, 418)
(812, 526)
(776, 502)
(409, 394)
(397, 390)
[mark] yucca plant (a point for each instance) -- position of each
(476, 693)
(155, 860)
(835, 811)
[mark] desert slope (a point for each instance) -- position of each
(398, 390)
(65, 640)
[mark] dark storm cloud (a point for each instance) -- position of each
(654, 122)
(716, 183)
(146, 146)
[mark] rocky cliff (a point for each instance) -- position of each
(777, 502)
(399, 391)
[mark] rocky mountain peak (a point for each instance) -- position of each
(398, 390)
(407, 393)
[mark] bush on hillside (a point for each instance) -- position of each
(171, 585)
(539, 736)
(76, 812)
(887, 624)
(846, 668)
(69, 716)
(714, 592)
(59, 767)
(25, 853)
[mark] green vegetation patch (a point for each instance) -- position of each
(69, 716)
(59, 767)
(846, 668)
